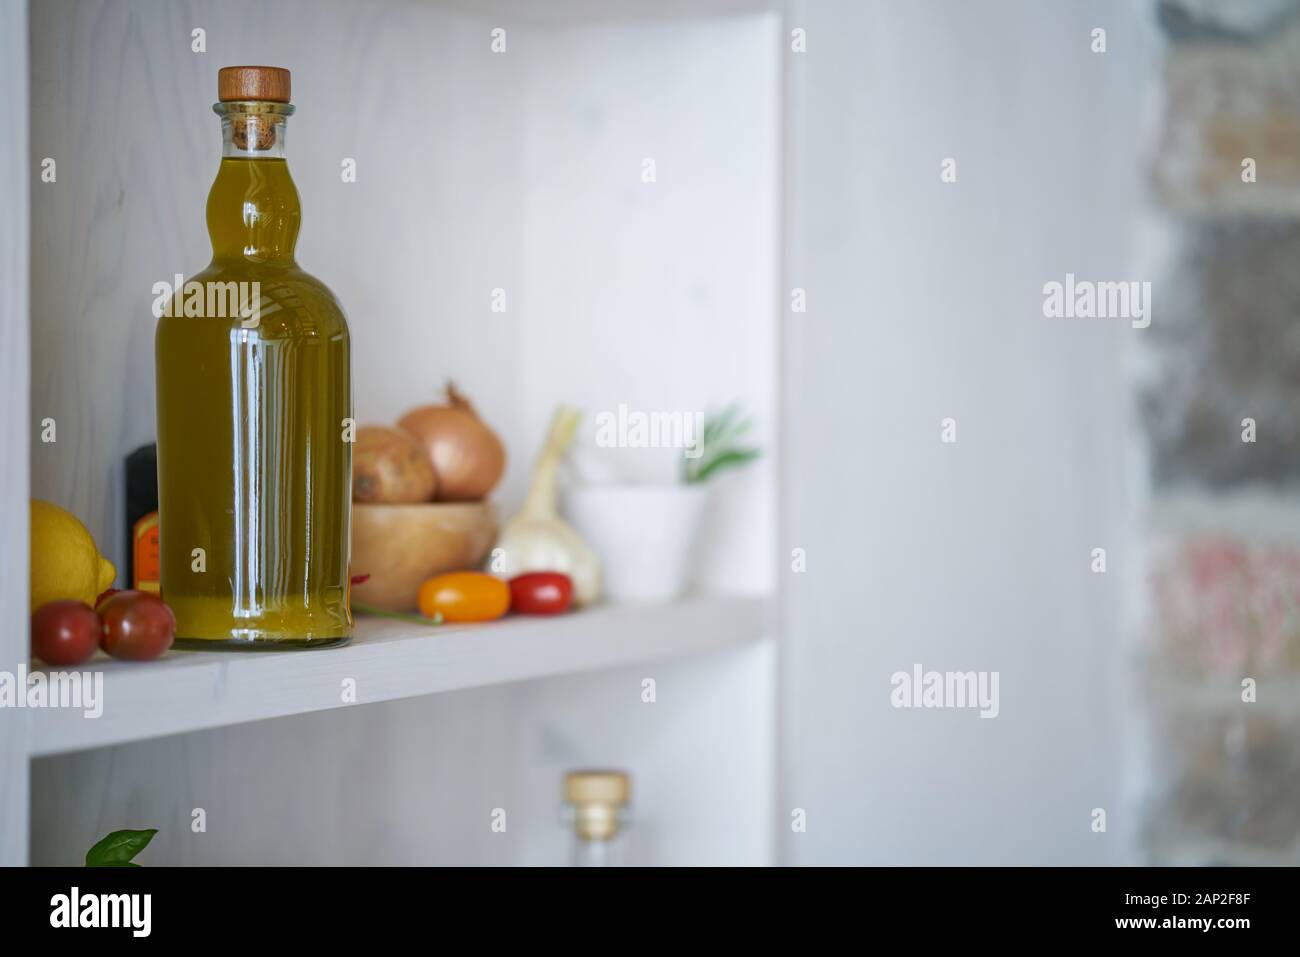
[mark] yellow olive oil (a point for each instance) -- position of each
(254, 410)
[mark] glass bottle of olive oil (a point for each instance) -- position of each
(254, 403)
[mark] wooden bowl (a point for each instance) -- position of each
(399, 546)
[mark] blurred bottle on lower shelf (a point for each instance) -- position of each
(595, 805)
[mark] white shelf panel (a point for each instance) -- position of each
(388, 659)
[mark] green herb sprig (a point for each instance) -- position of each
(720, 446)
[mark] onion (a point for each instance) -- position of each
(466, 454)
(389, 467)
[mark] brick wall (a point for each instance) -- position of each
(1220, 408)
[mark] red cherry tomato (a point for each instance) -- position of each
(138, 626)
(106, 595)
(541, 593)
(64, 632)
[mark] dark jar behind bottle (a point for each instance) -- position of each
(254, 404)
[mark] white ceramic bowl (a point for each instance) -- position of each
(644, 535)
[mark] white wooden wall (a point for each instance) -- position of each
(475, 172)
(924, 303)
(14, 423)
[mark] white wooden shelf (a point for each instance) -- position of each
(388, 659)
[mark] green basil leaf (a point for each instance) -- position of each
(117, 849)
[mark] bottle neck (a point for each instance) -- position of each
(253, 207)
(593, 853)
(597, 825)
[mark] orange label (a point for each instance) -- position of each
(145, 536)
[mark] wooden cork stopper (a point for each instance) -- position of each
(269, 83)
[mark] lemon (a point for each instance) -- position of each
(65, 561)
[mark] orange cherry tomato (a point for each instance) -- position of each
(464, 596)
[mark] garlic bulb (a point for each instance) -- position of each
(537, 539)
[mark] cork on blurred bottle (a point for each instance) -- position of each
(596, 806)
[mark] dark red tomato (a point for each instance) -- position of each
(106, 595)
(65, 632)
(138, 626)
(541, 593)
